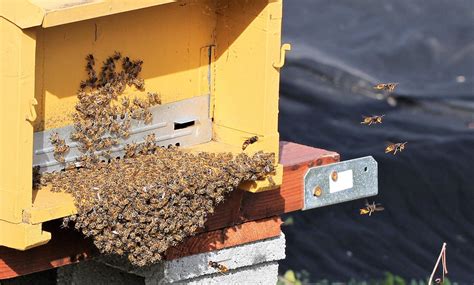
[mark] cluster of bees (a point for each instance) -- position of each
(60, 147)
(143, 205)
(153, 197)
(369, 209)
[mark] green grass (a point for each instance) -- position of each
(302, 278)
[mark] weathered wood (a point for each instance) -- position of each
(232, 216)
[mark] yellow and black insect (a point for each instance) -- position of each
(249, 141)
(371, 120)
(390, 87)
(395, 147)
(218, 266)
(371, 208)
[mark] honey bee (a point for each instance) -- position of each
(139, 83)
(125, 102)
(154, 98)
(130, 150)
(249, 141)
(70, 166)
(220, 267)
(54, 138)
(272, 182)
(116, 56)
(90, 71)
(371, 208)
(147, 117)
(395, 147)
(390, 87)
(372, 120)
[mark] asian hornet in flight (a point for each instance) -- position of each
(371, 208)
(390, 87)
(395, 147)
(372, 120)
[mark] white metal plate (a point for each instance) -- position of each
(163, 125)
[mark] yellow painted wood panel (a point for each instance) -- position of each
(169, 39)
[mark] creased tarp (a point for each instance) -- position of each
(340, 49)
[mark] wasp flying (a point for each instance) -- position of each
(395, 147)
(371, 208)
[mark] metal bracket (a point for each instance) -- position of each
(340, 182)
(31, 116)
(284, 48)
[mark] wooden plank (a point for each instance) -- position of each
(65, 247)
(243, 206)
(228, 237)
(232, 216)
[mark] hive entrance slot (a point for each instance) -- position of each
(183, 124)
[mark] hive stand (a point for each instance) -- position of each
(243, 222)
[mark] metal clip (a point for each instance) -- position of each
(284, 48)
(339, 182)
(31, 117)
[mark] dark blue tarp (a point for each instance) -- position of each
(340, 50)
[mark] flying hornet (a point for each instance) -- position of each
(395, 147)
(372, 120)
(390, 87)
(371, 208)
(221, 268)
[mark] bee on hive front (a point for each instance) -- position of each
(395, 147)
(218, 266)
(390, 87)
(371, 120)
(271, 181)
(371, 208)
(249, 141)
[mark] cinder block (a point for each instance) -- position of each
(235, 257)
(92, 272)
(252, 263)
(264, 273)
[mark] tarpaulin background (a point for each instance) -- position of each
(340, 50)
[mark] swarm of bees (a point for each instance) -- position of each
(371, 208)
(395, 147)
(152, 198)
(220, 267)
(390, 87)
(100, 122)
(143, 205)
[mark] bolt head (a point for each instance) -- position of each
(317, 191)
(334, 176)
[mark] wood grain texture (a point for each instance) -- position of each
(228, 237)
(229, 226)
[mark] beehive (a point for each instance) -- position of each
(220, 58)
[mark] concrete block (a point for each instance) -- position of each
(235, 257)
(264, 274)
(92, 272)
(252, 263)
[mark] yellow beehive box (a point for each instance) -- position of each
(225, 50)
